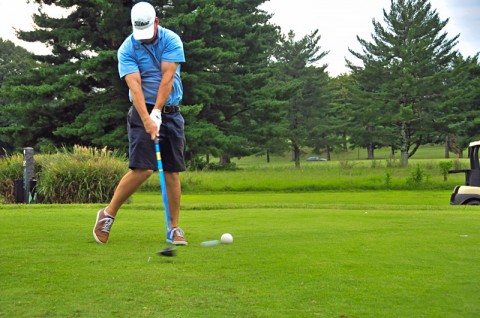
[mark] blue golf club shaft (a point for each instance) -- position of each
(163, 186)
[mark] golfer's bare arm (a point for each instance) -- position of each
(168, 73)
(134, 82)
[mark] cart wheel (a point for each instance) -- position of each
(473, 202)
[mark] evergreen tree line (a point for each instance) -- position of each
(249, 88)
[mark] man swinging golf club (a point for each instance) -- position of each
(149, 61)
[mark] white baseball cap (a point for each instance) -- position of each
(143, 21)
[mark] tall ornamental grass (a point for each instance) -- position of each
(80, 175)
(10, 170)
(85, 175)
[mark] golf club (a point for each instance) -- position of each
(169, 251)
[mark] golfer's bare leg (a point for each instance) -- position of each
(174, 192)
(130, 183)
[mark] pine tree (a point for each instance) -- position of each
(404, 70)
(78, 98)
(300, 85)
(15, 61)
(228, 45)
(75, 96)
(461, 110)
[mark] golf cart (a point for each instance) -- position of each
(469, 194)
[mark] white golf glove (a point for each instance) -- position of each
(156, 116)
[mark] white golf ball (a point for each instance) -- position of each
(226, 238)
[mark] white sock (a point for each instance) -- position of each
(106, 213)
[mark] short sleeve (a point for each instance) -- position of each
(127, 62)
(174, 49)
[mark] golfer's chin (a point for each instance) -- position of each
(148, 40)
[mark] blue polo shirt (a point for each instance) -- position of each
(135, 56)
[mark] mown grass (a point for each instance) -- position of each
(347, 238)
(381, 154)
(314, 254)
(88, 175)
(320, 176)
(347, 171)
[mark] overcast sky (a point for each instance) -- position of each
(338, 21)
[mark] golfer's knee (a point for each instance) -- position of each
(172, 176)
(148, 173)
(144, 173)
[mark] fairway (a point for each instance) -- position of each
(329, 254)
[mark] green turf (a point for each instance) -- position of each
(381, 154)
(318, 176)
(317, 254)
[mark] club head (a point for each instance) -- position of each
(169, 252)
(210, 243)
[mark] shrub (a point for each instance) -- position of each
(417, 177)
(10, 170)
(392, 163)
(346, 165)
(388, 179)
(459, 165)
(200, 164)
(445, 166)
(83, 175)
(86, 175)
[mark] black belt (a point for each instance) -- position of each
(167, 109)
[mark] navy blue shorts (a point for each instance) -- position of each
(142, 149)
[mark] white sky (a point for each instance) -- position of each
(338, 21)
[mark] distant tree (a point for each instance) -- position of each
(461, 119)
(78, 97)
(75, 96)
(271, 131)
(228, 46)
(15, 61)
(404, 70)
(369, 125)
(301, 85)
(323, 120)
(344, 109)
